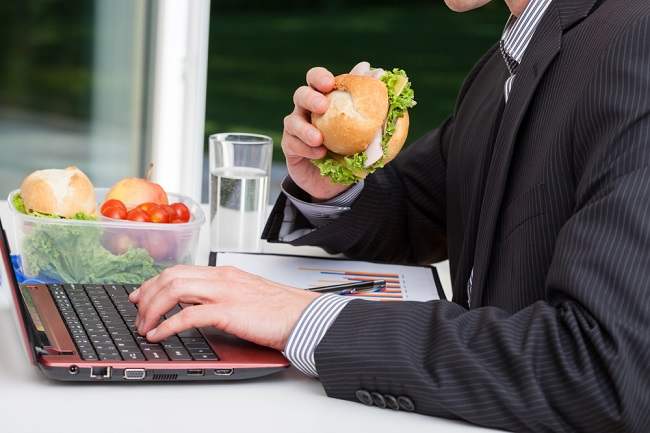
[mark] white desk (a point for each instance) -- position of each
(285, 402)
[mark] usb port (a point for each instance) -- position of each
(196, 372)
(134, 373)
(100, 372)
(223, 371)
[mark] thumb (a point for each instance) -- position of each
(361, 68)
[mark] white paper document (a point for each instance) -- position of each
(412, 283)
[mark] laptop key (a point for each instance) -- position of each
(172, 346)
(88, 353)
(150, 346)
(121, 333)
(154, 354)
(199, 351)
(178, 354)
(110, 357)
(205, 357)
(126, 345)
(190, 333)
(197, 346)
(132, 354)
(193, 340)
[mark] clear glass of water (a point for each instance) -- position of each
(240, 168)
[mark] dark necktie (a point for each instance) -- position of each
(511, 63)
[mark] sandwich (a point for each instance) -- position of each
(366, 123)
(56, 193)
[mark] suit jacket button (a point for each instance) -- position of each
(391, 402)
(364, 397)
(378, 399)
(405, 403)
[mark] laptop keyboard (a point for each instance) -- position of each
(101, 320)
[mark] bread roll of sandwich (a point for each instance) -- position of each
(63, 193)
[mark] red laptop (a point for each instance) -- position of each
(86, 332)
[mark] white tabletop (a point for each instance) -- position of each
(285, 402)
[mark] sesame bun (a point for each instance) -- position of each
(357, 109)
(59, 192)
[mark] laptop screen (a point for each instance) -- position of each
(23, 318)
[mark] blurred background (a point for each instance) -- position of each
(77, 77)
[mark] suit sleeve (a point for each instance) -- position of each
(575, 361)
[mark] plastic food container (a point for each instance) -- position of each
(106, 250)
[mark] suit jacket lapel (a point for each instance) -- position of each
(543, 48)
(572, 11)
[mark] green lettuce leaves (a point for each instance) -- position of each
(75, 254)
(350, 169)
(400, 99)
(342, 169)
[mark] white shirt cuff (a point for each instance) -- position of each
(319, 214)
(310, 329)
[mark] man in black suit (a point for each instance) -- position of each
(537, 190)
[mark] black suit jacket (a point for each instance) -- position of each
(549, 202)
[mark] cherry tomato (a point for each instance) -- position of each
(148, 207)
(158, 215)
(182, 212)
(176, 220)
(138, 215)
(112, 203)
(170, 211)
(116, 212)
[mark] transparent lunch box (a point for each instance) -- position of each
(106, 251)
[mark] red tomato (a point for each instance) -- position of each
(176, 220)
(148, 207)
(112, 203)
(158, 215)
(138, 215)
(170, 211)
(116, 212)
(182, 212)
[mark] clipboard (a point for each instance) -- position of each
(402, 270)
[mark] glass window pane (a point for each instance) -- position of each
(71, 88)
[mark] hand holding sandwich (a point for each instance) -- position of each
(346, 127)
(302, 142)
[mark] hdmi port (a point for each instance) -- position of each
(196, 372)
(134, 373)
(223, 371)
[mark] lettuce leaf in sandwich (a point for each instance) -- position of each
(19, 205)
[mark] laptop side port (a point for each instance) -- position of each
(223, 371)
(134, 373)
(100, 372)
(196, 372)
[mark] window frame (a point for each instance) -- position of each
(179, 63)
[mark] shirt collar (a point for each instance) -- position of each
(520, 30)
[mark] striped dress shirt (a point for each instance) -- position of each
(321, 313)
